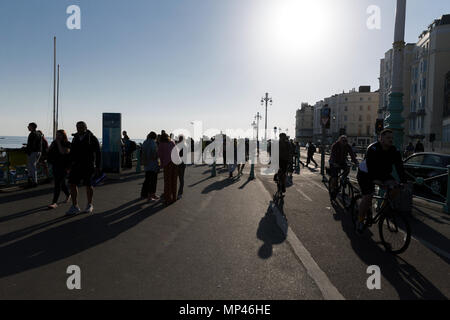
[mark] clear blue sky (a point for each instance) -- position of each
(165, 63)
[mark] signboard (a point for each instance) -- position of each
(111, 142)
(325, 117)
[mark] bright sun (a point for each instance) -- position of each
(296, 25)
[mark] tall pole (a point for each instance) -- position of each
(57, 102)
(395, 121)
(266, 99)
(54, 88)
(258, 117)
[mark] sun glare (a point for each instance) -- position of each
(297, 25)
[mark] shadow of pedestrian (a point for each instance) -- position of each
(75, 234)
(270, 233)
(409, 283)
(220, 185)
(23, 214)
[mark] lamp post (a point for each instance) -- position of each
(257, 118)
(266, 100)
(395, 121)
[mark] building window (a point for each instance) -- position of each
(360, 118)
(345, 118)
(361, 99)
(368, 108)
(446, 133)
(368, 118)
(360, 108)
(368, 130)
(346, 107)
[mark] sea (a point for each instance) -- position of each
(18, 142)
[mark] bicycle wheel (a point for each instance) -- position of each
(331, 189)
(347, 195)
(395, 232)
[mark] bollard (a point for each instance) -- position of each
(213, 171)
(138, 162)
(447, 201)
(252, 171)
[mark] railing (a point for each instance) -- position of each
(13, 167)
(426, 183)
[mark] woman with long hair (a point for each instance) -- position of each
(58, 156)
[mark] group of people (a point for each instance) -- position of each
(79, 161)
(411, 149)
(156, 155)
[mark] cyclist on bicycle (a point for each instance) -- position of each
(377, 167)
(284, 158)
(338, 161)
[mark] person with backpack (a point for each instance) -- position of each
(311, 151)
(43, 159)
(33, 151)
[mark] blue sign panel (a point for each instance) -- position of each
(111, 142)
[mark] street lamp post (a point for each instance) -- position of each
(266, 100)
(395, 121)
(257, 118)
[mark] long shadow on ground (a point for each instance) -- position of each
(408, 281)
(68, 239)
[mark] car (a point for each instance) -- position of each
(435, 189)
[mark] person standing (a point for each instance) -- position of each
(44, 156)
(181, 169)
(311, 152)
(419, 147)
(85, 158)
(150, 161)
(127, 149)
(170, 169)
(58, 156)
(34, 151)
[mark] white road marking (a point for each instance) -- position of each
(303, 194)
(318, 185)
(329, 291)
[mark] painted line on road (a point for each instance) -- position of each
(329, 291)
(318, 185)
(303, 194)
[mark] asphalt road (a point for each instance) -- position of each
(221, 241)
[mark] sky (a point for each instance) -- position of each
(166, 63)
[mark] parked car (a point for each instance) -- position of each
(438, 185)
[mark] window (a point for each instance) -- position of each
(424, 66)
(433, 161)
(368, 130)
(361, 99)
(446, 133)
(360, 118)
(418, 160)
(346, 107)
(360, 108)
(368, 118)
(345, 118)
(368, 108)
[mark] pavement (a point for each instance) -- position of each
(222, 240)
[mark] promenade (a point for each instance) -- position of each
(222, 240)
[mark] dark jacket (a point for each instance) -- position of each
(380, 163)
(58, 159)
(339, 154)
(34, 143)
(85, 152)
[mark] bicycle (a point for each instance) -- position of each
(393, 227)
(343, 188)
(278, 197)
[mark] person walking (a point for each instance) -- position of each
(297, 155)
(232, 166)
(409, 150)
(34, 151)
(58, 157)
(181, 168)
(170, 169)
(150, 161)
(85, 158)
(311, 151)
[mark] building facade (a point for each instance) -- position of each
(425, 83)
(353, 113)
(304, 123)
